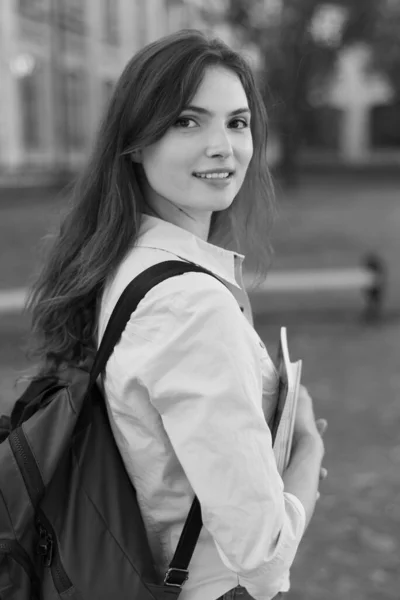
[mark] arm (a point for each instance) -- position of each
(302, 476)
(203, 377)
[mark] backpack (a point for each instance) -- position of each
(70, 523)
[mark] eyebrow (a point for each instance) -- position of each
(204, 111)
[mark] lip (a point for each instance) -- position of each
(217, 182)
(216, 170)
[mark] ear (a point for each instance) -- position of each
(136, 156)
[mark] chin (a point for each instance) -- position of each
(207, 204)
(220, 202)
(223, 203)
(221, 206)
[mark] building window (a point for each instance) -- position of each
(74, 126)
(71, 15)
(29, 91)
(111, 29)
(33, 9)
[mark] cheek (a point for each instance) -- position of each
(245, 157)
(249, 149)
(244, 151)
(154, 162)
(166, 168)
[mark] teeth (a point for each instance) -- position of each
(213, 175)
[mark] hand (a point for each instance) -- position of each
(322, 424)
(305, 424)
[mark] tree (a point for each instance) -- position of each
(385, 42)
(289, 76)
(294, 57)
(283, 37)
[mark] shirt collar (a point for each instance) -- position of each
(163, 235)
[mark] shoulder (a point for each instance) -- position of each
(188, 285)
(194, 294)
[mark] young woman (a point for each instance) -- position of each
(179, 172)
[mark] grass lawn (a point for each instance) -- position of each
(351, 550)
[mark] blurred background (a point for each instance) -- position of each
(329, 73)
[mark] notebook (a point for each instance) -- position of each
(283, 417)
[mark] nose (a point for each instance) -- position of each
(219, 145)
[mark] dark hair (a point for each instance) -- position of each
(104, 216)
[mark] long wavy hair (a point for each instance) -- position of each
(106, 204)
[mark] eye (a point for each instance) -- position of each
(239, 124)
(184, 123)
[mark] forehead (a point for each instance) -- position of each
(220, 88)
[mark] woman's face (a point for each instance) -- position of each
(200, 163)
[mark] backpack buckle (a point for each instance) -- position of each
(181, 576)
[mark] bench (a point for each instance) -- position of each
(370, 278)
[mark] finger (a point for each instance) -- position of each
(322, 425)
(323, 473)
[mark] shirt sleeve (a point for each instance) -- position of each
(204, 378)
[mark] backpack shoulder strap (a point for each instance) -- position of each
(134, 292)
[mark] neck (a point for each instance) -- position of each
(197, 223)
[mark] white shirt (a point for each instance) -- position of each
(187, 391)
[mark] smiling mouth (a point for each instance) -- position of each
(214, 176)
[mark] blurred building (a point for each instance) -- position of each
(59, 60)
(354, 117)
